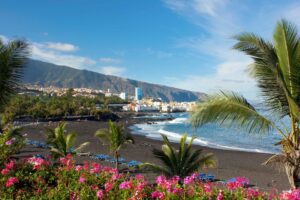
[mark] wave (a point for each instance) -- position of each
(154, 131)
(179, 120)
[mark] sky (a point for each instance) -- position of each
(181, 43)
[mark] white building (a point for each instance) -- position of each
(123, 95)
(138, 94)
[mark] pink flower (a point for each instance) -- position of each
(10, 142)
(81, 179)
(5, 171)
(290, 195)
(10, 165)
(126, 185)
(237, 182)
(141, 185)
(96, 168)
(161, 180)
(207, 188)
(95, 187)
(100, 194)
(190, 179)
(86, 165)
(67, 161)
(11, 181)
(38, 162)
(78, 168)
(178, 191)
(108, 186)
(157, 195)
(220, 195)
(252, 193)
(116, 176)
(139, 177)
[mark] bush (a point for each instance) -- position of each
(38, 178)
(11, 142)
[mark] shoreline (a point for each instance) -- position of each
(230, 163)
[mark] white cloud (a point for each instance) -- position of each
(111, 70)
(109, 60)
(219, 21)
(61, 46)
(159, 53)
(229, 76)
(42, 52)
(60, 54)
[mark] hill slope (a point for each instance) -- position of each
(47, 74)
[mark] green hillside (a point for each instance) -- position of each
(47, 74)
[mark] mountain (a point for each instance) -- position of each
(48, 74)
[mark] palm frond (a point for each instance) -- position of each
(13, 57)
(287, 48)
(81, 146)
(103, 135)
(180, 162)
(62, 143)
(265, 71)
(70, 140)
(231, 109)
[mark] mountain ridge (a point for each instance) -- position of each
(48, 74)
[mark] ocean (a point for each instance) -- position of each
(209, 135)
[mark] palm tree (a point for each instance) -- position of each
(276, 67)
(116, 137)
(13, 57)
(62, 144)
(180, 162)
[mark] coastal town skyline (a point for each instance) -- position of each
(184, 43)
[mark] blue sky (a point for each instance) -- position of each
(181, 43)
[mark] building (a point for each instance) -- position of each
(123, 95)
(138, 94)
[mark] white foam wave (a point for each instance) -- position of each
(179, 120)
(154, 131)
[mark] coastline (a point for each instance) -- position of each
(230, 163)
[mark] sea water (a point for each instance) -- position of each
(209, 135)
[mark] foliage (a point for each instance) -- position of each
(45, 106)
(38, 178)
(61, 143)
(11, 142)
(276, 70)
(13, 56)
(116, 137)
(182, 162)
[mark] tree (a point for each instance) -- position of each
(180, 162)
(61, 143)
(13, 56)
(275, 68)
(116, 137)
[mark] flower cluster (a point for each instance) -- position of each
(37, 177)
(38, 163)
(237, 182)
(290, 195)
(8, 167)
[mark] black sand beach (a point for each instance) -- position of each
(229, 163)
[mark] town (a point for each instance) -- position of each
(135, 103)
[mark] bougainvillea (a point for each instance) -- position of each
(38, 178)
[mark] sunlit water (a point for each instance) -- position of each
(210, 135)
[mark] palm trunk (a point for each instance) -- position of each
(117, 160)
(292, 168)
